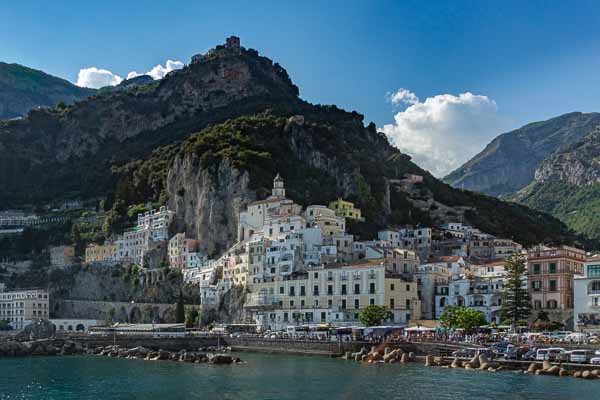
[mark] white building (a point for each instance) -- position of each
(152, 227)
(586, 303)
(20, 307)
(479, 288)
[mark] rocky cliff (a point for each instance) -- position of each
(509, 162)
(23, 89)
(567, 185)
(71, 149)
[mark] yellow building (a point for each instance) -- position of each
(98, 253)
(333, 295)
(345, 209)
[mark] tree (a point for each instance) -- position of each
(373, 315)
(515, 298)
(460, 317)
(191, 317)
(180, 311)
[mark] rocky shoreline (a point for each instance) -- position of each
(63, 347)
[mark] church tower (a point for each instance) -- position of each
(278, 188)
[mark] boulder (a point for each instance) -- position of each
(546, 365)
(428, 361)
(588, 375)
(563, 372)
(484, 366)
(455, 363)
(404, 358)
(219, 359)
(577, 374)
(533, 367)
(474, 362)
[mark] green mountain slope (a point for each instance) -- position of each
(567, 185)
(22, 89)
(509, 162)
(209, 138)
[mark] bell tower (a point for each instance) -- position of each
(278, 188)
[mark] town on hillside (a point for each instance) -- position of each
(299, 266)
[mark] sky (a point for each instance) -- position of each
(441, 79)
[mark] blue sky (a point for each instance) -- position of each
(530, 59)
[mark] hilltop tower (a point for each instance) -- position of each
(278, 187)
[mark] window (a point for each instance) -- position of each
(323, 316)
(281, 290)
(408, 304)
(343, 303)
(392, 303)
(316, 275)
(392, 287)
(302, 303)
(329, 290)
(372, 287)
(291, 303)
(302, 291)
(329, 275)
(316, 290)
(292, 290)
(356, 303)
(344, 289)
(552, 268)
(537, 268)
(329, 303)
(552, 285)
(536, 286)
(371, 301)
(356, 288)
(593, 271)
(408, 288)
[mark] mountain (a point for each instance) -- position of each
(567, 185)
(509, 162)
(209, 138)
(22, 89)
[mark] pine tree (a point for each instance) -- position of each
(515, 298)
(180, 311)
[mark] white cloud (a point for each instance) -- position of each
(403, 96)
(96, 78)
(159, 72)
(444, 131)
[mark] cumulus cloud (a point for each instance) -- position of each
(159, 71)
(403, 96)
(96, 78)
(444, 131)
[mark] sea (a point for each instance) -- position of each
(264, 376)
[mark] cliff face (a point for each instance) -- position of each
(207, 203)
(578, 164)
(22, 89)
(567, 185)
(509, 162)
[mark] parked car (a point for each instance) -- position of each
(500, 347)
(515, 353)
(551, 354)
(467, 352)
(595, 361)
(530, 355)
(580, 356)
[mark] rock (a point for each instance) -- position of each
(546, 365)
(596, 372)
(484, 366)
(38, 329)
(411, 356)
(474, 362)
(455, 363)
(563, 372)
(532, 368)
(404, 358)
(577, 374)
(588, 375)
(428, 361)
(219, 359)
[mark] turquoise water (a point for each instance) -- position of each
(269, 377)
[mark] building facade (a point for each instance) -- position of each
(586, 288)
(550, 273)
(20, 307)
